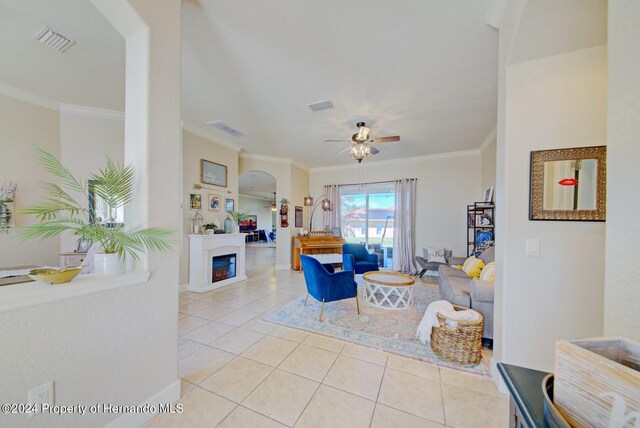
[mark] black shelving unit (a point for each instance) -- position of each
(476, 212)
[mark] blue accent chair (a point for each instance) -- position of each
(326, 285)
(356, 258)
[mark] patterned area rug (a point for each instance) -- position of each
(392, 331)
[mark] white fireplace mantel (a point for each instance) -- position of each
(202, 248)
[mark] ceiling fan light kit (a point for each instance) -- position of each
(359, 151)
(361, 147)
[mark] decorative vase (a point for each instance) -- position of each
(237, 228)
(228, 225)
(107, 264)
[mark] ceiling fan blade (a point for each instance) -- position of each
(344, 150)
(336, 141)
(385, 139)
(374, 151)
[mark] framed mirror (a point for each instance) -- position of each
(568, 184)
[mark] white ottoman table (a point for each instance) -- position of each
(388, 290)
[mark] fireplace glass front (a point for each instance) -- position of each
(223, 267)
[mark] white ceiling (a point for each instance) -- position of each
(422, 69)
(257, 183)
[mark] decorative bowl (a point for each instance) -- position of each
(55, 276)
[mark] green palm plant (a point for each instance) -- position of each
(61, 212)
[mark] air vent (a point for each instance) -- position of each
(226, 128)
(54, 40)
(320, 105)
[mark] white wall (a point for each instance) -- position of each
(24, 126)
(446, 184)
(257, 206)
(488, 162)
(194, 148)
(622, 293)
(299, 189)
(553, 102)
(86, 140)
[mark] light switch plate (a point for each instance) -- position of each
(40, 395)
(532, 247)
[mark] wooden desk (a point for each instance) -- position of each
(314, 245)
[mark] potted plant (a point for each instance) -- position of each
(209, 228)
(237, 218)
(61, 212)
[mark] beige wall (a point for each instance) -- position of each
(257, 206)
(299, 189)
(488, 169)
(553, 102)
(446, 184)
(622, 293)
(194, 148)
(24, 126)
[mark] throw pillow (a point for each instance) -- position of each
(472, 267)
(488, 272)
(435, 255)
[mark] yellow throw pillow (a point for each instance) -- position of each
(488, 272)
(472, 267)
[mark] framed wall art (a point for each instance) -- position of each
(230, 204)
(215, 201)
(298, 217)
(195, 201)
(213, 173)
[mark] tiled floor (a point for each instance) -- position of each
(238, 371)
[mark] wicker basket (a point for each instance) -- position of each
(461, 345)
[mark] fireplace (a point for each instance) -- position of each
(223, 267)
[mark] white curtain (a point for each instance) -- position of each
(404, 226)
(332, 218)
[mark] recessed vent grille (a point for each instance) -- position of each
(320, 105)
(226, 128)
(54, 40)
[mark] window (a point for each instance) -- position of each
(367, 212)
(378, 229)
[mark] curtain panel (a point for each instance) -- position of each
(332, 218)
(404, 227)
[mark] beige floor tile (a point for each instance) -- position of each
(331, 407)
(386, 417)
(261, 305)
(201, 364)
(193, 296)
(365, 354)
(237, 317)
(414, 367)
(237, 341)
(237, 379)
(201, 409)
(189, 347)
(481, 384)
(282, 396)
(209, 332)
(214, 311)
(289, 334)
(185, 387)
(260, 326)
(189, 323)
(242, 417)
(468, 409)
(307, 361)
(413, 394)
(193, 306)
(270, 350)
(324, 343)
(238, 301)
(355, 376)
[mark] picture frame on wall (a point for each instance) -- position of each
(298, 218)
(488, 195)
(215, 202)
(213, 173)
(195, 201)
(230, 204)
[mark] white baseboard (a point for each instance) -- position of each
(169, 394)
(183, 287)
(283, 267)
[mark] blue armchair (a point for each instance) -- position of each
(326, 285)
(356, 258)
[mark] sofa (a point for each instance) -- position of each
(457, 288)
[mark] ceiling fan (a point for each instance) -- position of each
(360, 142)
(273, 205)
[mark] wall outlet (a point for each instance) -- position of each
(533, 247)
(40, 395)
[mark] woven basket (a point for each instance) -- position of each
(461, 345)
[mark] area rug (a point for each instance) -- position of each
(392, 331)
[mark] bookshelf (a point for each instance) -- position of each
(480, 220)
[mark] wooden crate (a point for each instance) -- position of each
(588, 368)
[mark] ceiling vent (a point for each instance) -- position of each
(226, 128)
(320, 105)
(54, 40)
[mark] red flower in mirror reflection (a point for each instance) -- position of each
(568, 182)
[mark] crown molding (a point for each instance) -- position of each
(101, 113)
(254, 156)
(207, 134)
(28, 97)
(495, 13)
(461, 153)
(261, 198)
(489, 139)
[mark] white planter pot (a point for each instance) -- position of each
(107, 264)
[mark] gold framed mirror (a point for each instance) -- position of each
(568, 184)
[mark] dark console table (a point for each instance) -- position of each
(527, 400)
